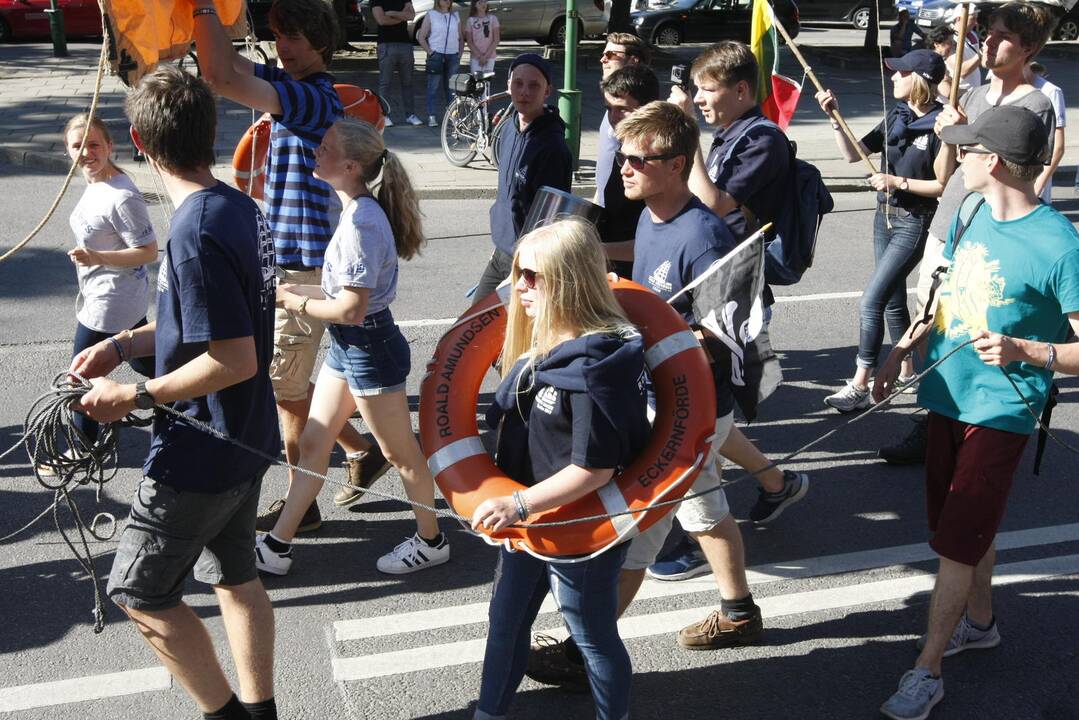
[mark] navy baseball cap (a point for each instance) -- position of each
(920, 62)
(1014, 133)
(535, 61)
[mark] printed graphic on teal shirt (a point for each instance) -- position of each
(1019, 278)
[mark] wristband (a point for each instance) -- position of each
(119, 348)
(835, 125)
(522, 506)
(204, 11)
(1052, 356)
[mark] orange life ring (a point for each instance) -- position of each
(679, 444)
(249, 158)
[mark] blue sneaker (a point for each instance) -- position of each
(918, 692)
(685, 560)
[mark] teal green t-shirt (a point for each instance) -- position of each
(1019, 278)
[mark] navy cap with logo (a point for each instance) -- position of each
(925, 63)
(1014, 133)
(535, 61)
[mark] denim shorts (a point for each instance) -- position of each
(373, 358)
(170, 532)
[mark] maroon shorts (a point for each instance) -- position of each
(968, 475)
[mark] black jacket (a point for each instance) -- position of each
(527, 161)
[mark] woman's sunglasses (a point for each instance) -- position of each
(529, 276)
(637, 162)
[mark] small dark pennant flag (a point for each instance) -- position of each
(727, 303)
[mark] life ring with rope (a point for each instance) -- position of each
(249, 158)
(677, 449)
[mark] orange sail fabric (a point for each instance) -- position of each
(145, 32)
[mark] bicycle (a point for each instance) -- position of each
(469, 127)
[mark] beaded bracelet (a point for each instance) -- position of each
(204, 11)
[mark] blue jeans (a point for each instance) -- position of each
(587, 595)
(84, 338)
(439, 69)
(396, 57)
(897, 252)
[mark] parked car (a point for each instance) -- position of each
(541, 20)
(27, 19)
(855, 12)
(259, 11)
(706, 21)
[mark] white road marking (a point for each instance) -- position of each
(811, 297)
(412, 622)
(432, 657)
(92, 687)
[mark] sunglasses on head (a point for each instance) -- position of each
(637, 162)
(529, 276)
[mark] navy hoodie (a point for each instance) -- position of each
(587, 407)
(526, 162)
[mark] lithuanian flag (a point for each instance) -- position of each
(777, 95)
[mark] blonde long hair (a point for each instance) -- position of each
(578, 297)
(361, 142)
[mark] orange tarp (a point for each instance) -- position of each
(145, 32)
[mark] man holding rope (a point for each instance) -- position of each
(1012, 291)
(196, 504)
(1017, 32)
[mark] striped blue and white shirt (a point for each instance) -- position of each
(302, 211)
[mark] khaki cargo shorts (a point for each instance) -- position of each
(296, 342)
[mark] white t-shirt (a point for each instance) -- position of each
(111, 215)
(973, 80)
(608, 146)
(362, 254)
(1056, 96)
(445, 32)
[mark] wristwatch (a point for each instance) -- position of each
(143, 399)
(905, 185)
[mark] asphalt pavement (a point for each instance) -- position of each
(842, 577)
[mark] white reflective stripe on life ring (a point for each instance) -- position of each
(613, 503)
(244, 175)
(454, 453)
(668, 347)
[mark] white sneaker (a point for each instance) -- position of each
(413, 120)
(432, 121)
(412, 555)
(849, 399)
(905, 384)
(387, 122)
(270, 561)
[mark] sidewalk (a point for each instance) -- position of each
(39, 92)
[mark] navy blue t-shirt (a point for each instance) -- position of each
(669, 255)
(216, 282)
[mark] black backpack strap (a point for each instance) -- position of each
(1043, 427)
(968, 208)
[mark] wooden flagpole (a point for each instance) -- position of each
(834, 114)
(960, 51)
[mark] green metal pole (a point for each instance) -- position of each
(56, 29)
(569, 101)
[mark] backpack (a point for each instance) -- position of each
(789, 252)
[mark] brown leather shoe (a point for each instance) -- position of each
(312, 519)
(362, 474)
(719, 631)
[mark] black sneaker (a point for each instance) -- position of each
(312, 519)
(769, 506)
(362, 473)
(910, 450)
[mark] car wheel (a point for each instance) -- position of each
(557, 36)
(5, 31)
(667, 35)
(860, 18)
(1068, 29)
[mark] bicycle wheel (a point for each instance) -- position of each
(461, 131)
(500, 122)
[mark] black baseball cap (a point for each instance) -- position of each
(1014, 133)
(535, 61)
(920, 62)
